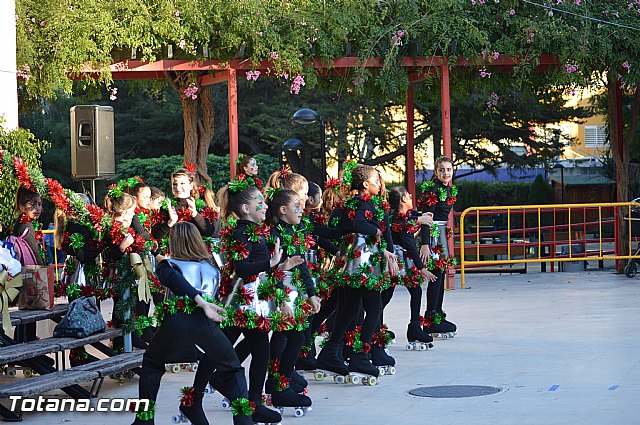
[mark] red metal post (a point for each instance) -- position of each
(446, 147)
(410, 160)
(232, 95)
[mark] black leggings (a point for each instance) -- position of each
(286, 346)
(435, 291)
(327, 308)
(256, 344)
(415, 302)
(179, 331)
(372, 304)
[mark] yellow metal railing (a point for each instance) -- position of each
(540, 210)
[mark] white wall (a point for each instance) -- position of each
(8, 84)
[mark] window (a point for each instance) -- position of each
(594, 135)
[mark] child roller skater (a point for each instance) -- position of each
(404, 224)
(365, 243)
(438, 196)
(193, 280)
(284, 216)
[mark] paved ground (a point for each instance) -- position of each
(563, 348)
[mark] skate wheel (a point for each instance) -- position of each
(318, 376)
(209, 389)
(423, 347)
(130, 374)
(176, 419)
(444, 336)
(194, 367)
(27, 373)
(298, 413)
(11, 372)
(382, 370)
(371, 381)
(355, 380)
(409, 347)
(175, 368)
(392, 370)
(224, 404)
(307, 409)
(339, 379)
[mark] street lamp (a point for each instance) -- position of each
(306, 116)
(561, 168)
(294, 147)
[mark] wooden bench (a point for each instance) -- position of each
(27, 350)
(22, 317)
(95, 371)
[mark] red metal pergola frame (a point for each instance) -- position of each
(418, 68)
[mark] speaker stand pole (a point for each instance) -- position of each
(93, 191)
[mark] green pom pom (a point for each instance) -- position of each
(241, 407)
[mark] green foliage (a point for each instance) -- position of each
(23, 144)
(540, 192)
(479, 194)
(157, 171)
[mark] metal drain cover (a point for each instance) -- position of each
(454, 391)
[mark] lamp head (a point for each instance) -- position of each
(305, 116)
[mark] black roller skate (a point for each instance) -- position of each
(308, 363)
(451, 324)
(434, 324)
(418, 339)
(362, 370)
(301, 404)
(191, 408)
(385, 363)
(263, 415)
(298, 383)
(331, 364)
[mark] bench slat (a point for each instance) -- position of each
(114, 364)
(21, 317)
(27, 350)
(43, 383)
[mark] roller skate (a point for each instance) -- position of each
(450, 324)
(263, 415)
(308, 363)
(433, 324)
(191, 408)
(361, 370)
(418, 340)
(298, 383)
(301, 404)
(329, 360)
(384, 362)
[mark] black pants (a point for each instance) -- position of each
(372, 305)
(180, 331)
(327, 308)
(415, 302)
(256, 344)
(435, 291)
(285, 346)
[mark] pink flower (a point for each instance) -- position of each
(485, 74)
(33, 20)
(17, 18)
(578, 2)
(626, 66)
(191, 91)
(177, 14)
(297, 83)
(182, 44)
(400, 33)
(273, 55)
(43, 23)
(570, 68)
(113, 91)
(252, 75)
(495, 55)
(512, 12)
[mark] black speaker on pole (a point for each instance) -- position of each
(92, 148)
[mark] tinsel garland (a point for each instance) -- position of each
(352, 339)
(187, 395)
(148, 413)
(382, 338)
(280, 382)
(242, 407)
(78, 354)
(412, 278)
(428, 321)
